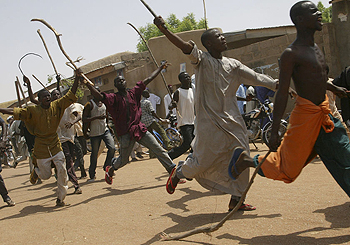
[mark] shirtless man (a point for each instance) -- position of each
(313, 130)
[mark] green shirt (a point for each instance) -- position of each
(43, 124)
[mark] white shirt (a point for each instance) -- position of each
(66, 134)
(167, 102)
(78, 126)
(155, 100)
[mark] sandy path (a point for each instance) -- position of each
(136, 208)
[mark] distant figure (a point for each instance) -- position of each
(95, 114)
(3, 191)
(167, 101)
(155, 100)
(184, 102)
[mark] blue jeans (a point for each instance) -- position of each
(127, 144)
(95, 145)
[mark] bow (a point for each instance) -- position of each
(20, 60)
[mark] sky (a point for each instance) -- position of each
(96, 29)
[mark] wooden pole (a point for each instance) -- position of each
(20, 87)
(18, 95)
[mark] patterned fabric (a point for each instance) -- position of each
(147, 109)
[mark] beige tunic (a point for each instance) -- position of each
(219, 126)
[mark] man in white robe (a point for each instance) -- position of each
(219, 126)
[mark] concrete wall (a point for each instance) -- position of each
(341, 21)
(261, 56)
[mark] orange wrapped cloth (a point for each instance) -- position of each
(297, 147)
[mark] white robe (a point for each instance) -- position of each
(219, 126)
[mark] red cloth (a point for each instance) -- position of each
(125, 122)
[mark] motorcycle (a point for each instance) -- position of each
(7, 157)
(259, 122)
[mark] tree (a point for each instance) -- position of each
(326, 12)
(174, 24)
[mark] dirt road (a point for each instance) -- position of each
(136, 208)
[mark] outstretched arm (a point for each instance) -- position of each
(78, 77)
(94, 92)
(186, 47)
(6, 111)
(30, 91)
(149, 79)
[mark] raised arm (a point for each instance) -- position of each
(186, 47)
(286, 70)
(149, 79)
(30, 91)
(94, 92)
(78, 77)
(6, 111)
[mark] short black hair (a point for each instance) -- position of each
(40, 93)
(206, 35)
(116, 80)
(297, 10)
(181, 74)
(145, 93)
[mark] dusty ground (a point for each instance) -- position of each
(136, 208)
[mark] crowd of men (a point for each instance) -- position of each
(209, 119)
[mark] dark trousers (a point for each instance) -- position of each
(187, 132)
(3, 190)
(334, 151)
(79, 153)
(68, 150)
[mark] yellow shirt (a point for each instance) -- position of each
(43, 124)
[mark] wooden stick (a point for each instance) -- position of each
(205, 15)
(167, 237)
(149, 8)
(20, 88)
(47, 51)
(61, 47)
(154, 59)
(40, 82)
(18, 96)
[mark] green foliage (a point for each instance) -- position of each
(174, 24)
(326, 12)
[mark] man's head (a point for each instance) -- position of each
(120, 83)
(44, 98)
(213, 40)
(185, 80)
(170, 87)
(145, 93)
(55, 94)
(305, 14)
